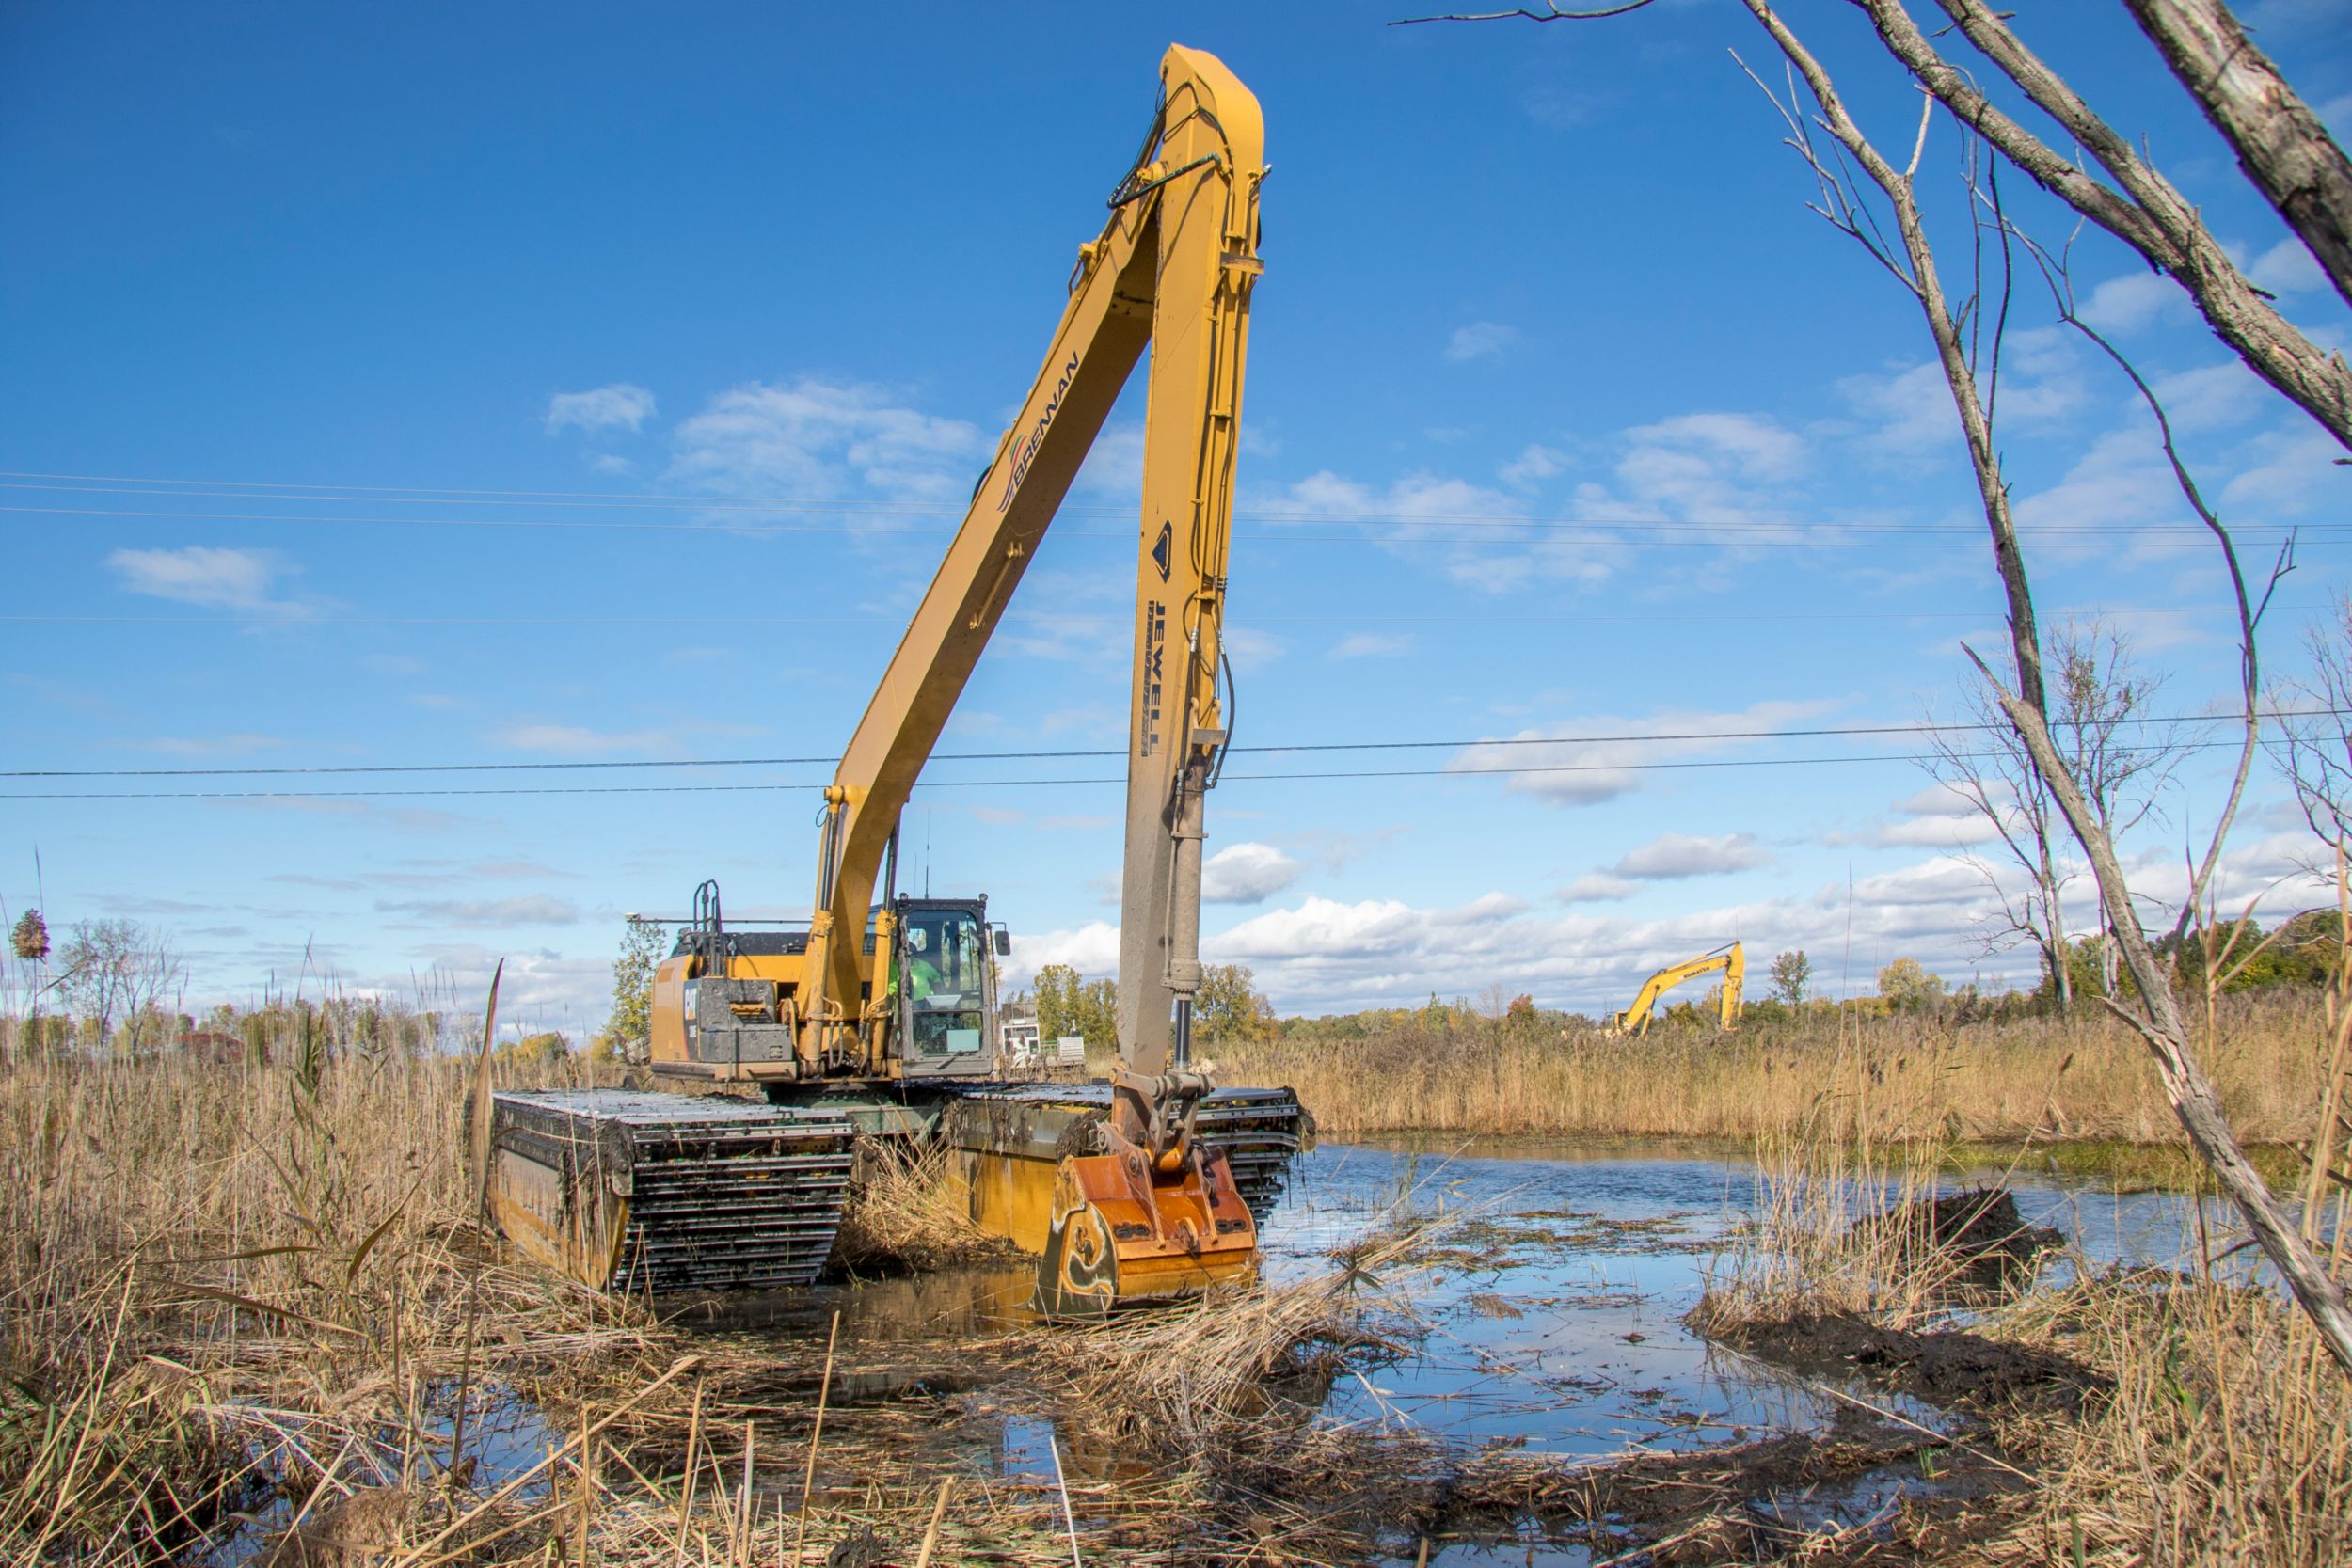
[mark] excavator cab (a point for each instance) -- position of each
(943, 969)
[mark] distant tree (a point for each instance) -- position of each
(1909, 987)
(541, 1049)
(115, 972)
(2099, 705)
(2316, 748)
(1791, 973)
(1230, 1007)
(1069, 1004)
(629, 1030)
(1522, 1011)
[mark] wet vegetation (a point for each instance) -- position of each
(1959, 1073)
(248, 1317)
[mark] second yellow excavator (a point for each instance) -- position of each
(1732, 960)
(876, 1017)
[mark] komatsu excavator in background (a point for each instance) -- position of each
(876, 1018)
(1732, 960)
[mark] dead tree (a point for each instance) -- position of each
(2144, 211)
(2155, 1012)
(2314, 748)
(1985, 765)
(2281, 143)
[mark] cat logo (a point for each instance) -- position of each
(1162, 551)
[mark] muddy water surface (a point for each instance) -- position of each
(1553, 1313)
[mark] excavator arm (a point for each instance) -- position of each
(1121, 1199)
(1732, 960)
(1171, 271)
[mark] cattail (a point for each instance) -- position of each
(30, 938)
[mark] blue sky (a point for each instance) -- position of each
(442, 386)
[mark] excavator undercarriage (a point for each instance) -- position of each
(647, 1193)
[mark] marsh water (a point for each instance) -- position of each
(1550, 1318)
(1547, 1318)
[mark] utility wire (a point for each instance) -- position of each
(780, 786)
(1533, 530)
(1120, 618)
(1809, 734)
(619, 500)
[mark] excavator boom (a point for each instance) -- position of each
(1732, 960)
(1172, 271)
(876, 1018)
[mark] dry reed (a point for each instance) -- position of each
(1915, 1077)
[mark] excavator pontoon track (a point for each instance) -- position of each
(657, 1193)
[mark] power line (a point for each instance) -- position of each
(780, 788)
(1108, 617)
(1533, 531)
(1306, 748)
(677, 501)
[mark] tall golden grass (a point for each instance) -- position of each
(1906, 1077)
(206, 1266)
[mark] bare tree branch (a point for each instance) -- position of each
(2148, 214)
(2156, 1015)
(2281, 143)
(1552, 13)
(1982, 459)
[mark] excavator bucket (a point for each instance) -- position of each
(1122, 1232)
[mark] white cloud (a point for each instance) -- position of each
(486, 913)
(1325, 955)
(1092, 950)
(1535, 462)
(1956, 831)
(1114, 465)
(220, 746)
(1940, 818)
(1579, 762)
(574, 740)
(1598, 887)
(815, 439)
(1416, 498)
(211, 576)
(1367, 644)
(1252, 650)
(1322, 931)
(1674, 855)
(2211, 397)
(2121, 482)
(1479, 339)
(602, 408)
(1909, 413)
(2134, 301)
(1247, 874)
(2295, 469)
(2286, 268)
(1944, 881)
(1756, 446)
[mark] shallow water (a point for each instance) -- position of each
(1553, 1317)
(1550, 1323)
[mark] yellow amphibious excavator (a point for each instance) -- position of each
(1732, 960)
(876, 1018)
